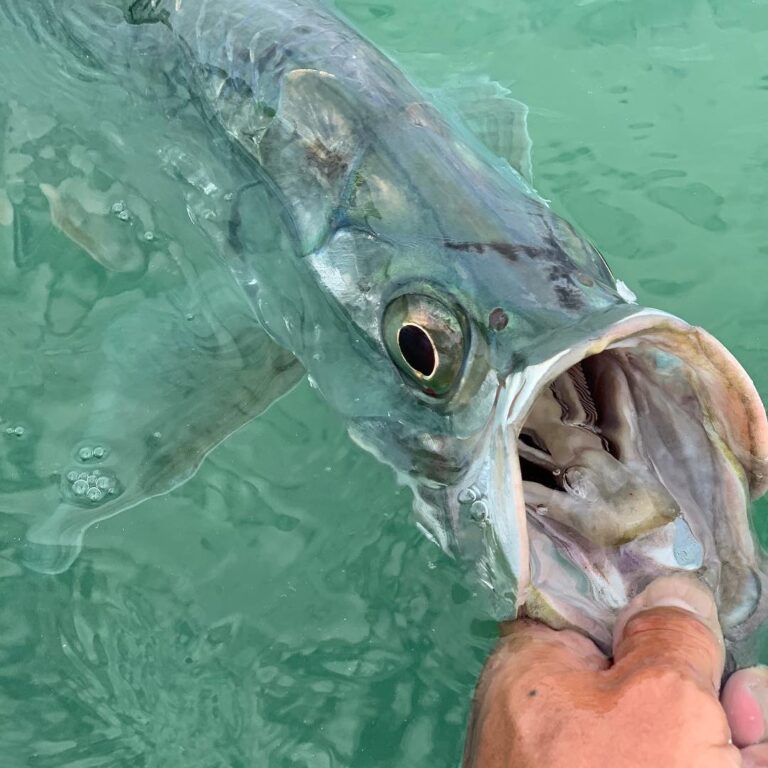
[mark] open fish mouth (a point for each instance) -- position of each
(638, 452)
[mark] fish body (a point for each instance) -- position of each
(388, 199)
(566, 442)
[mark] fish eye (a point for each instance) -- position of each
(425, 339)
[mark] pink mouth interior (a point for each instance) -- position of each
(632, 469)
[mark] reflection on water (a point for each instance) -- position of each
(281, 609)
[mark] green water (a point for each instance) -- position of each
(280, 609)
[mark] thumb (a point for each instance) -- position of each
(672, 625)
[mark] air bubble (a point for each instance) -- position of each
(91, 486)
(85, 453)
(18, 431)
(124, 215)
(479, 511)
(98, 452)
(467, 496)
(118, 207)
(94, 494)
(149, 235)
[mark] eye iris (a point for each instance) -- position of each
(417, 349)
(426, 341)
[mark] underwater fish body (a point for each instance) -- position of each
(567, 443)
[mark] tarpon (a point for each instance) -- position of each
(567, 443)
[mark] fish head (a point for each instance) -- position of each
(568, 444)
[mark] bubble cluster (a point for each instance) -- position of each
(473, 499)
(15, 431)
(93, 486)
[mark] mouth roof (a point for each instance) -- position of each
(637, 458)
(583, 459)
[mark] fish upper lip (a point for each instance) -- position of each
(742, 403)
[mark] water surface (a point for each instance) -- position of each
(281, 609)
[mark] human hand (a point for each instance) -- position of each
(551, 699)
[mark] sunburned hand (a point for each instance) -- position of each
(550, 699)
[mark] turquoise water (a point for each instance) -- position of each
(281, 608)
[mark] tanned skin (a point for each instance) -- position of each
(551, 699)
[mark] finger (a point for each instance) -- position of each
(524, 684)
(672, 625)
(745, 701)
(755, 757)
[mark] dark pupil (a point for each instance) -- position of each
(417, 349)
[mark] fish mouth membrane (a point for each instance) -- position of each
(638, 457)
